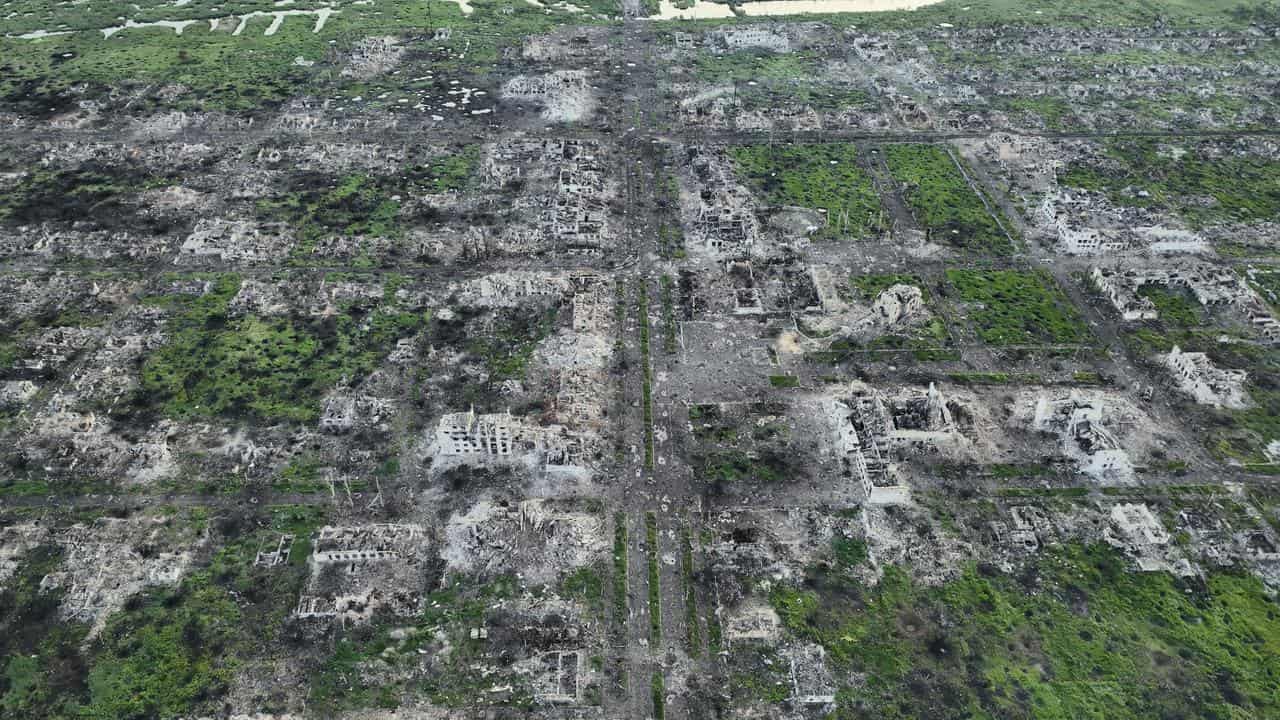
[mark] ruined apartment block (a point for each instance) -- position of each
(501, 437)
(358, 570)
(1197, 376)
(1212, 287)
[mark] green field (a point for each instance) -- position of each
(943, 202)
(1011, 307)
(1076, 635)
(1184, 178)
(819, 177)
(275, 368)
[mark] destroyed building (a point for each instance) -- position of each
(590, 361)
(1208, 384)
(1084, 426)
(356, 571)
(468, 437)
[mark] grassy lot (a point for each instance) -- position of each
(1077, 635)
(758, 65)
(170, 652)
(943, 202)
(372, 667)
(1188, 180)
(275, 368)
(821, 177)
(1234, 435)
(1012, 307)
(1177, 307)
(240, 73)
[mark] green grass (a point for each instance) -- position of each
(1011, 307)
(820, 177)
(646, 387)
(169, 652)
(451, 172)
(748, 65)
(734, 466)
(301, 475)
(668, 316)
(1192, 179)
(784, 381)
(848, 552)
(715, 633)
(1248, 431)
(692, 628)
(245, 73)
(351, 205)
(1267, 283)
(250, 72)
(758, 674)
(943, 202)
(506, 351)
(169, 655)
(1052, 110)
(1176, 308)
(1232, 435)
(619, 573)
(1006, 471)
(992, 378)
(268, 368)
(370, 667)
(655, 591)
(585, 585)
(658, 691)
(41, 668)
(1077, 636)
(819, 96)
(89, 192)
(926, 341)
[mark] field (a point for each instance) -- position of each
(1079, 637)
(820, 177)
(1011, 307)
(943, 201)
(1181, 179)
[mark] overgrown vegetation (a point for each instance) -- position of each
(1012, 307)
(742, 444)
(1075, 635)
(926, 339)
(646, 378)
(758, 674)
(241, 73)
(821, 177)
(274, 368)
(92, 193)
(42, 671)
(1176, 307)
(1202, 185)
(655, 590)
(692, 628)
(658, 690)
(668, 316)
(943, 201)
(375, 666)
(170, 652)
(619, 574)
